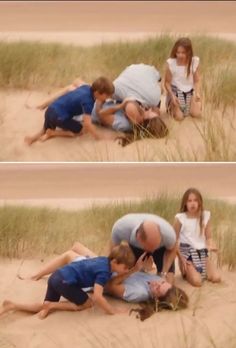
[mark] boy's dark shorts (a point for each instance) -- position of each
(53, 120)
(58, 287)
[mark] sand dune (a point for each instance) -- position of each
(16, 121)
(195, 327)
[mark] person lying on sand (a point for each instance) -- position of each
(70, 280)
(134, 286)
(134, 114)
(128, 118)
(134, 107)
(73, 100)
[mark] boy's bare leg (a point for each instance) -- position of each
(63, 306)
(29, 140)
(53, 265)
(51, 133)
(14, 306)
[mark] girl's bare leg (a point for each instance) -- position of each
(212, 274)
(192, 275)
(177, 113)
(14, 306)
(53, 265)
(195, 108)
(62, 306)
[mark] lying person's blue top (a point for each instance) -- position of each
(87, 272)
(137, 287)
(77, 102)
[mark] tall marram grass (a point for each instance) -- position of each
(32, 232)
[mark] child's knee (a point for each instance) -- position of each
(215, 278)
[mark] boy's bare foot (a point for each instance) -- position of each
(45, 311)
(48, 134)
(7, 306)
(29, 140)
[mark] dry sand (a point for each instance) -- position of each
(16, 121)
(209, 321)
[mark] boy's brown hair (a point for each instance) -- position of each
(103, 85)
(122, 253)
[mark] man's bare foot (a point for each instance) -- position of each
(7, 306)
(45, 311)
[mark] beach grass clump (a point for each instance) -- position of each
(27, 232)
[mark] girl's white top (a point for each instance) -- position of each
(190, 230)
(179, 74)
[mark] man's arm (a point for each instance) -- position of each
(170, 253)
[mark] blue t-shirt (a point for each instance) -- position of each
(87, 272)
(77, 102)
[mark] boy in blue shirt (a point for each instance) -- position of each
(70, 280)
(74, 100)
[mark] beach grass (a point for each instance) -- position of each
(28, 232)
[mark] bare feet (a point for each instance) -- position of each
(7, 306)
(45, 311)
(48, 134)
(29, 140)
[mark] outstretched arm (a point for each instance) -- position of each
(140, 264)
(75, 84)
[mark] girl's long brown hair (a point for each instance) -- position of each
(186, 43)
(183, 206)
(175, 299)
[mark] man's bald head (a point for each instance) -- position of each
(148, 235)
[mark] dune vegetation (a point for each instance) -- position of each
(29, 232)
